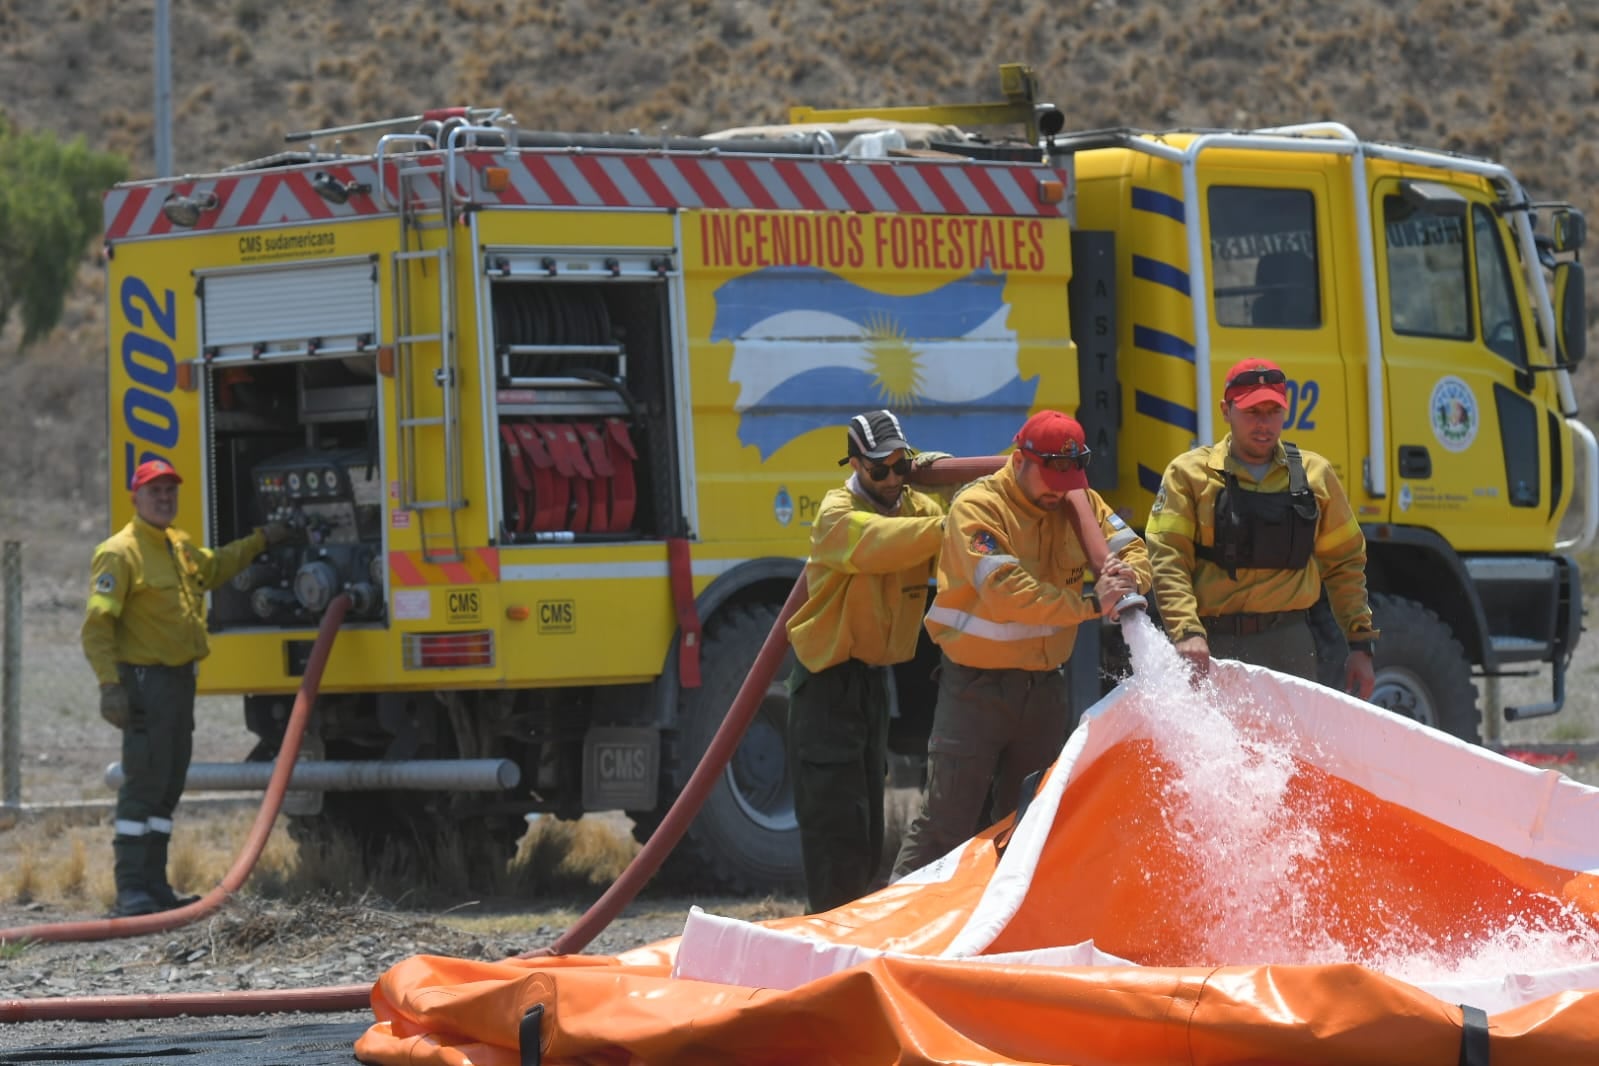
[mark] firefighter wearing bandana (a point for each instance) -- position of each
(873, 544)
(1244, 535)
(1010, 598)
(143, 634)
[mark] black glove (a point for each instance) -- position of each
(279, 533)
(114, 706)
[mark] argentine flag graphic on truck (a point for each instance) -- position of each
(810, 349)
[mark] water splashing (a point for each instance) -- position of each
(1264, 829)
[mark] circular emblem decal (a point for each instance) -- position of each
(783, 506)
(1453, 410)
(1404, 497)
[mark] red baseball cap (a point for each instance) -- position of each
(1053, 441)
(1256, 381)
(153, 470)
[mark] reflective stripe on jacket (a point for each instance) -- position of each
(867, 574)
(147, 591)
(1184, 513)
(1010, 577)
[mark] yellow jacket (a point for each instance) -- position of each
(868, 574)
(1187, 587)
(1010, 577)
(147, 596)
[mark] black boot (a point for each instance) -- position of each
(155, 874)
(133, 894)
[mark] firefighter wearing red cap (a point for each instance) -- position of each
(1244, 535)
(143, 633)
(1010, 598)
(873, 545)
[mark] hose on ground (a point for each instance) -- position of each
(689, 801)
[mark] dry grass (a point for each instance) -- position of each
(65, 859)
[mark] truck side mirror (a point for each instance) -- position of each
(1571, 313)
(1569, 228)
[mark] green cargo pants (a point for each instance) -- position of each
(838, 750)
(156, 747)
(991, 728)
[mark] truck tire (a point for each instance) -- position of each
(745, 838)
(1422, 670)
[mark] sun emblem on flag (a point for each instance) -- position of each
(895, 371)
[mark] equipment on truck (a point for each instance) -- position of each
(554, 409)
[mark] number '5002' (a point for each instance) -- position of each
(147, 409)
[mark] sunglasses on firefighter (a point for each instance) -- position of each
(1075, 457)
(1258, 377)
(879, 471)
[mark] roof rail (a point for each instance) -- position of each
(1020, 107)
(474, 115)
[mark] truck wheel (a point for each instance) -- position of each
(745, 837)
(1422, 671)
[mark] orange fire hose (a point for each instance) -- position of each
(689, 801)
(346, 997)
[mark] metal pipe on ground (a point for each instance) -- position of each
(436, 775)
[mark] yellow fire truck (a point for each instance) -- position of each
(556, 409)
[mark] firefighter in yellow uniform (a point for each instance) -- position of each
(1245, 533)
(143, 634)
(1010, 598)
(872, 549)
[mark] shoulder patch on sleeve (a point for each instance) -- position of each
(983, 542)
(1160, 501)
(105, 584)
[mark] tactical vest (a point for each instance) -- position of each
(1264, 530)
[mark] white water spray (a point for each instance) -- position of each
(1226, 801)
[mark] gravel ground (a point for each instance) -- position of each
(257, 945)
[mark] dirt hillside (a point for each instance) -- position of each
(1509, 78)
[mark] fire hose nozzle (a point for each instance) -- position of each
(1129, 603)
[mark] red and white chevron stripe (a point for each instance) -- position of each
(600, 179)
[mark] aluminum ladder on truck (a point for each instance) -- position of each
(429, 422)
